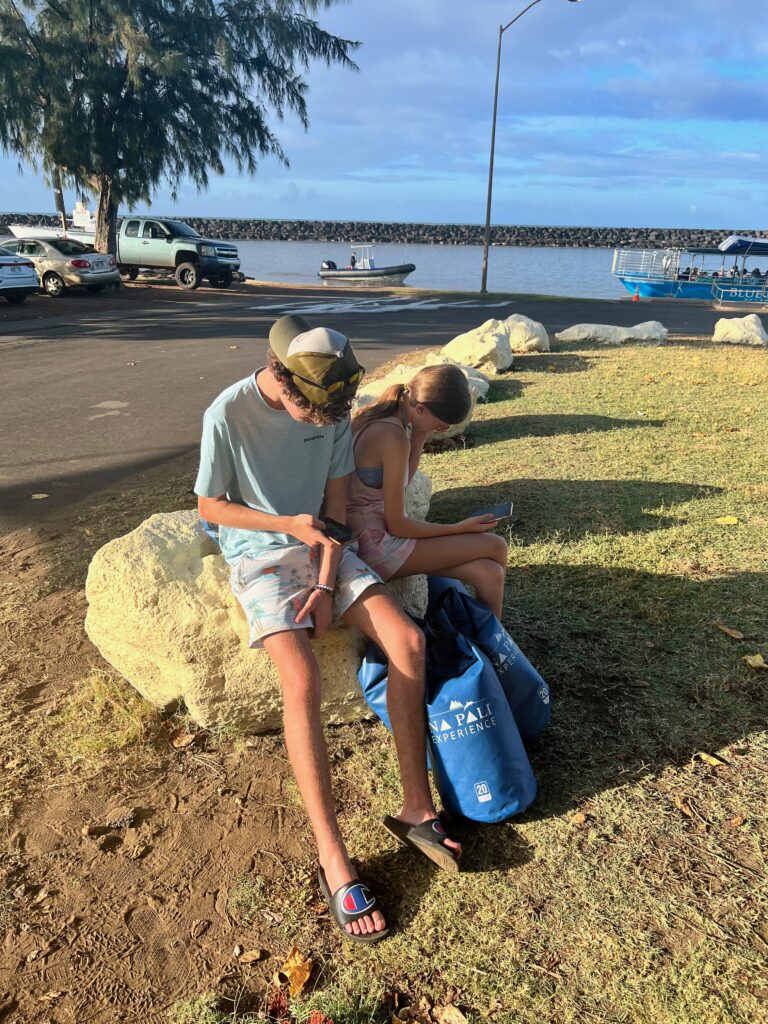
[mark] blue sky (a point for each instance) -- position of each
(611, 112)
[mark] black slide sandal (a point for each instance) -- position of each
(349, 903)
(427, 838)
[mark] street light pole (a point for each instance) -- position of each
(487, 235)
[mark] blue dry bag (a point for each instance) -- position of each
(527, 693)
(481, 769)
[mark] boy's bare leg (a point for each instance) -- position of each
(299, 674)
(377, 615)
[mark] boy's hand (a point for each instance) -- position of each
(309, 531)
(319, 605)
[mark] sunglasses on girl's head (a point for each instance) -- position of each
(337, 385)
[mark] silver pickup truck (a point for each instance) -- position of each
(160, 244)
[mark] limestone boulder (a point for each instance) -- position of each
(740, 330)
(478, 388)
(479, 384)
(485, 347)
(526, 335)
(161, 612)
(605, 334)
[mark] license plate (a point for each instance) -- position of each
(99, 264)
(15, 270)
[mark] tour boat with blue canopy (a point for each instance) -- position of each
(698, 273)
(362, 267)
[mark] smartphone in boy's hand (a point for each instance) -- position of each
(338, 532)
(502, 511)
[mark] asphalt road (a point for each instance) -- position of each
(91, 397)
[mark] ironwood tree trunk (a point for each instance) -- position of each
(106, 218)
(58, 195)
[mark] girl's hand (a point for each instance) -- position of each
(477, 524)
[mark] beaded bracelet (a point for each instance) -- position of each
(322, 586)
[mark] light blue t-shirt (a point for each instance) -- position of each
(261, 457)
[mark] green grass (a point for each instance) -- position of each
(651, 908)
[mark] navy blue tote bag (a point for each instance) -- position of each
(480, 766)
(527, 693)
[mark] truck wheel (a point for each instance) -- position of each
(130, 272)
(223, 281)
(53, 285)
(188, 276)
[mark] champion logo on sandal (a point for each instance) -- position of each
(357, 900)
(437, 827)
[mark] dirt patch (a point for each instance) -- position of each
(117, 861)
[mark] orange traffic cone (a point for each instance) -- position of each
(636, 296)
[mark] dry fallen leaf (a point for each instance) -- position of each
(295, 971)
(755, 661)
(180, 739)
(39, 497)
(579, 818)
(448, 1015)
(710, 758)
(736, 822)
(683, 806)
(252, 956)
(50, 996)
(727, 520)
(729, 631)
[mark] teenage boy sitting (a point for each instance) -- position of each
(276, 448)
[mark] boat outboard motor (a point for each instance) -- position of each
(329, 265)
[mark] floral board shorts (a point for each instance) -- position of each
(274, 586)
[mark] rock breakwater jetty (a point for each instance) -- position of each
(248, 229)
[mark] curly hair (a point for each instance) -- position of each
(322, 415)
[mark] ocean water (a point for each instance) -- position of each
(585, 273)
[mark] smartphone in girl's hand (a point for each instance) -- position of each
(502, 511)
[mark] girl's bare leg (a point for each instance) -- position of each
(476, 558)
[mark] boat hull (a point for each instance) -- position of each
(25, 231)
(396, 273)
(712, 290)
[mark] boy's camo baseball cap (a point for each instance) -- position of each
(321, 360)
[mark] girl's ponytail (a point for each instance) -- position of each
(442, 388)
(387, 404)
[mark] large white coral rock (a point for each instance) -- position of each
(526, 335)
(478, 382)
(605, 334)
(402, 374)
(484, 347)
(160, 610)
(741, 330)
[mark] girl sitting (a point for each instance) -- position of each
(389, 436)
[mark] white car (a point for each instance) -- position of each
(17, 277)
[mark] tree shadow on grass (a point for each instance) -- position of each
(574, 508)
(550, 425)
(405, 877)
(641, 677)
(550, 362)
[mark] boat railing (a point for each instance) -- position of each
(648, 263)
(741, 292)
